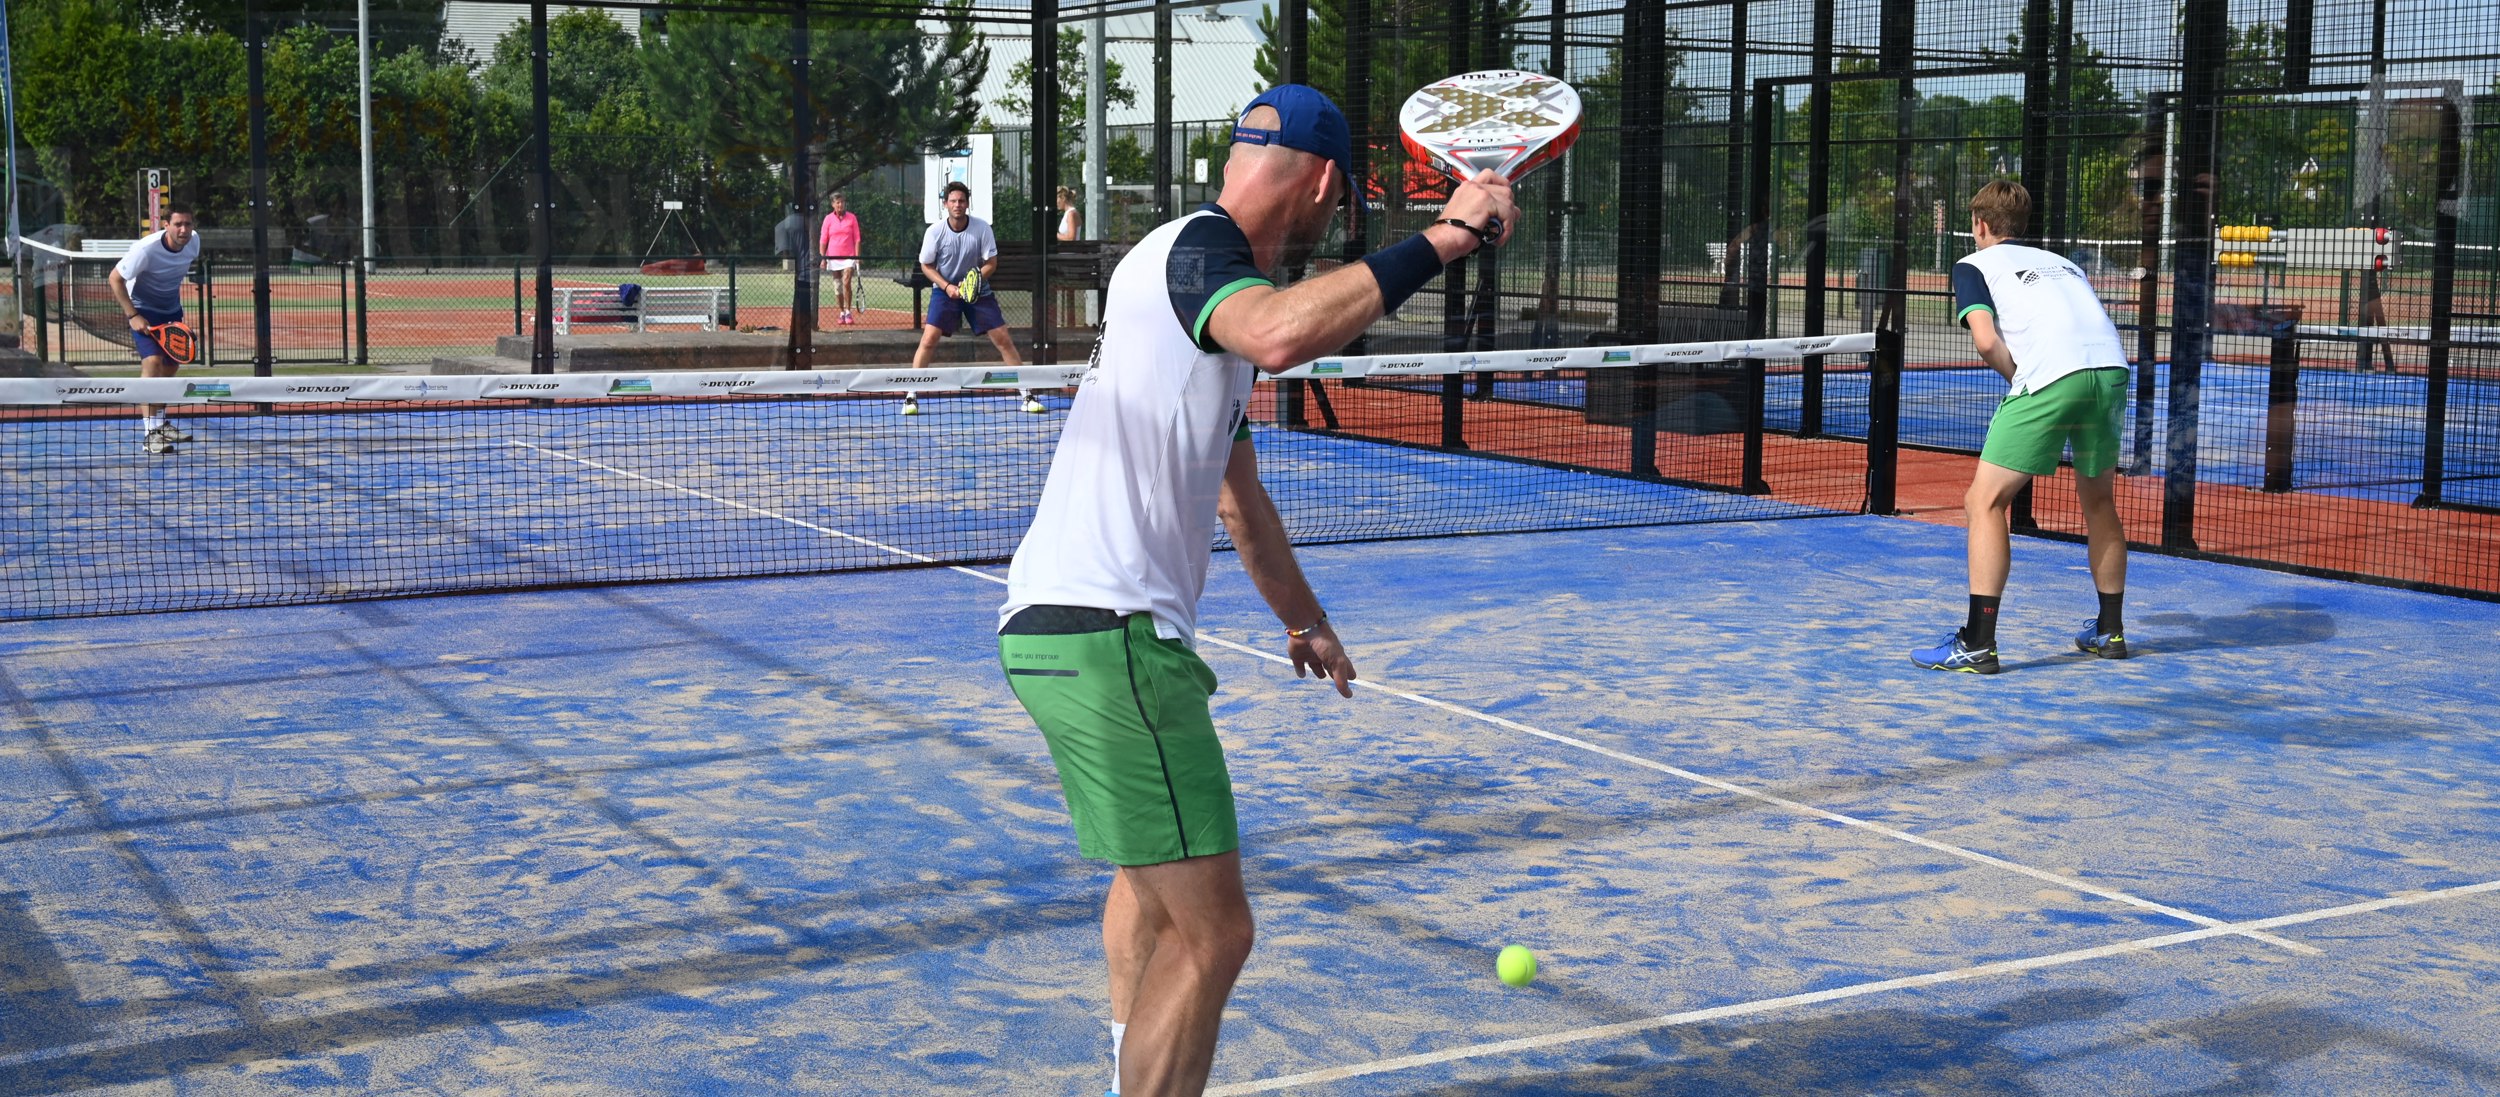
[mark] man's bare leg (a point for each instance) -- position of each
(1990, 505)
(1006, 344)
(1128, 945)
(2098, 495)
(154, 365)
(1199, 919)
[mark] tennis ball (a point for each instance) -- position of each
(1516, 966)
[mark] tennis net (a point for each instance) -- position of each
(305, 489)
(74, 288)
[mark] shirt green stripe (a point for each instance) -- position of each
(1198, 331)
(1963, 317)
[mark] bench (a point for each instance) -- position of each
(637, 307)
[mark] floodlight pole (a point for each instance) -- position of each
(543, 337)
(364, 118)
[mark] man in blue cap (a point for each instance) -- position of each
(1098, 632)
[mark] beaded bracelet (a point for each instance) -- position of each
(1298, 633)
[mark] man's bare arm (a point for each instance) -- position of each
(121, 293)
(1267, 554)
(1983, 335)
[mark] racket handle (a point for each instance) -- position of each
(1492, 231)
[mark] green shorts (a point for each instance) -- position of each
(2030, 431)
(1125, 714)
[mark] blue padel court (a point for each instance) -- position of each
(794, 836)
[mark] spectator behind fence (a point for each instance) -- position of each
(838, 242)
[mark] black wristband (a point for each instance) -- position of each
(1488, 234)
(1402, 268)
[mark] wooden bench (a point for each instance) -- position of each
(648, 305)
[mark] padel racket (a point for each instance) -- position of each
(1503, 120)
(971, 284)
(177, 341)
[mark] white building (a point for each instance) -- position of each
(475, 26)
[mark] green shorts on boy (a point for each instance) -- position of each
(2035, 319)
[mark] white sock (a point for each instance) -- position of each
(153, 422)
(1118, 1032)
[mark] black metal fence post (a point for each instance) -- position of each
(802, 190)
(1818, 230)
(2202, 48)
(1642, 192)
(1758, 277)
(2282, 401)
(364, 317)
(2443, 304)
(1883, 421)
(1041, 195)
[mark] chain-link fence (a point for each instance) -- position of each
(2285, 205)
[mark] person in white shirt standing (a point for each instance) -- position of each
(1097, 635)
(953, 248)
(147, 283)
(2035, 320)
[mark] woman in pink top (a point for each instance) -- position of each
(838, 242)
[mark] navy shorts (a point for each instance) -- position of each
(946, 313)
(146, 344)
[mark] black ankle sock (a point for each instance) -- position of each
(1980, 632)
(2109, 619)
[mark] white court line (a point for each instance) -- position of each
(1766, 1005)
(736, 505)
(1894, 833)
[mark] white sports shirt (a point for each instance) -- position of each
(155, 272)
(1127, 517)
(2052, 322)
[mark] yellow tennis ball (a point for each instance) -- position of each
(1516, 966)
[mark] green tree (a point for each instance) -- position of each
(100, 97)
(880, 93)
(1404, 58)
(1072, 101)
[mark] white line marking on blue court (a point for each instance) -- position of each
(1766, 1005)
(731, 503)
(1894, 833)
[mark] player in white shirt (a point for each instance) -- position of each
(2035, 320)
(1097, 634)
(952, 250)
(147, 283)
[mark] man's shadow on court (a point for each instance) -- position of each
(2271, 625)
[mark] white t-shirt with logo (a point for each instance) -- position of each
(1127, 518)
(154, 272)
(2052, 322)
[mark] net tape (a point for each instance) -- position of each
(572, 386)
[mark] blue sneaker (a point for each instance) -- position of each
(2107, 645)
(1953, 654)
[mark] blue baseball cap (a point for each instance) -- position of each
(1309, 121)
